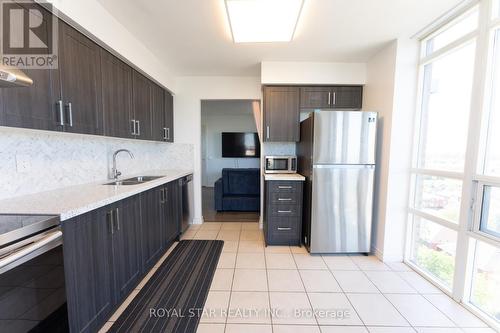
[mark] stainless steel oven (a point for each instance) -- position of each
(32, 288)
(280, 164)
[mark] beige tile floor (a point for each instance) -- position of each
(284, 289)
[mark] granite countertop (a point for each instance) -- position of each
(76, 200)
(284, 176)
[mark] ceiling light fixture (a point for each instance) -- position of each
(257, 21)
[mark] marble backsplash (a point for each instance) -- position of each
(35, 161)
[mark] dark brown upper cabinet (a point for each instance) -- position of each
(281, 114)
(315, 97)
(32, 107)
(116, 96)
(92, 92)
(142, 92)
(348, 97)
(169, 117)
(158, 113)
(80, 72)
(332, 97)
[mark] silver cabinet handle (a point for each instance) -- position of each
(117, 218)
(111, 222)
(283, 229)
(168, 133)
(334, 98)
(164, 133)
(284, 211)
(61, 112)
(138, 127)
(133, 126)
(284, 199)
(267, 132)
(285, 187)
(70, 114)
(329, 98)
(162, 195)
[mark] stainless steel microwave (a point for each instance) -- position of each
(281, 164)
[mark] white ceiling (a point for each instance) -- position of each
(193, 36)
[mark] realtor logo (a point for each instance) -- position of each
(29, 35)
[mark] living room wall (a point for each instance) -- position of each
(218, 117)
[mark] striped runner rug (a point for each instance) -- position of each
(173, 299)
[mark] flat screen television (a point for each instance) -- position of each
(240, 145)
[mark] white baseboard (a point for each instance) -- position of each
(197, 220)
(386, 257)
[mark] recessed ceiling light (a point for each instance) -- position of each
(255, 21)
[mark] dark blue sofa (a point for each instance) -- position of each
(238, 190)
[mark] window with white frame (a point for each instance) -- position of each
(454, 214)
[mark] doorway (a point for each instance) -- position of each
(230, 157)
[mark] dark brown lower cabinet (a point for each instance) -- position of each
(88, 270)
(126, 244)
(109, 250)
(283, 212)
(151, 213)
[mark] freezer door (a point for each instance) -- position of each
(342, 200)
(344, 137)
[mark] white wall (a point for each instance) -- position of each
(36, 161)
(390, 90)
(187, 104)
(215, 123)
(273, 72)
(94, 18)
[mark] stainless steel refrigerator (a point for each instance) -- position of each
(336, 154)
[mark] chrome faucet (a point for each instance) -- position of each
(115, 171)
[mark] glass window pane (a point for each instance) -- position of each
(496, 9)
(485, 291)
(438, 196)
(445, 115)
(490, 213)
(492, 158)
(434, 248)
(459, 28)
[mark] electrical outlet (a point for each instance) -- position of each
(23, 163)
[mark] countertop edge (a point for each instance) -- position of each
(118, 197)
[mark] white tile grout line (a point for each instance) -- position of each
(343, 291)
(268, 289)
(422, 295)
(305, 291)
(366, 275)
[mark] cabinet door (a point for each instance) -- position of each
(281, 114)
(35, 106)
(116, 96)
(142, 99)
(126, 246)
(80, 70)
(87, 261)
(349, 97)
(172, 207)
(158, 113)
(315, 97)
(169, 116)
(151, 222)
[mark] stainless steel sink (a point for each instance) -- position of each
(134, 180)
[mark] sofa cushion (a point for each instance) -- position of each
(241, 181)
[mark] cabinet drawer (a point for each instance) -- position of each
(284, 198)
(284, 210)
(283, 186)
(283, 230)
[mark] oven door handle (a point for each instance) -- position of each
(26, 250)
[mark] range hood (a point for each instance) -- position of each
(11, 77)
